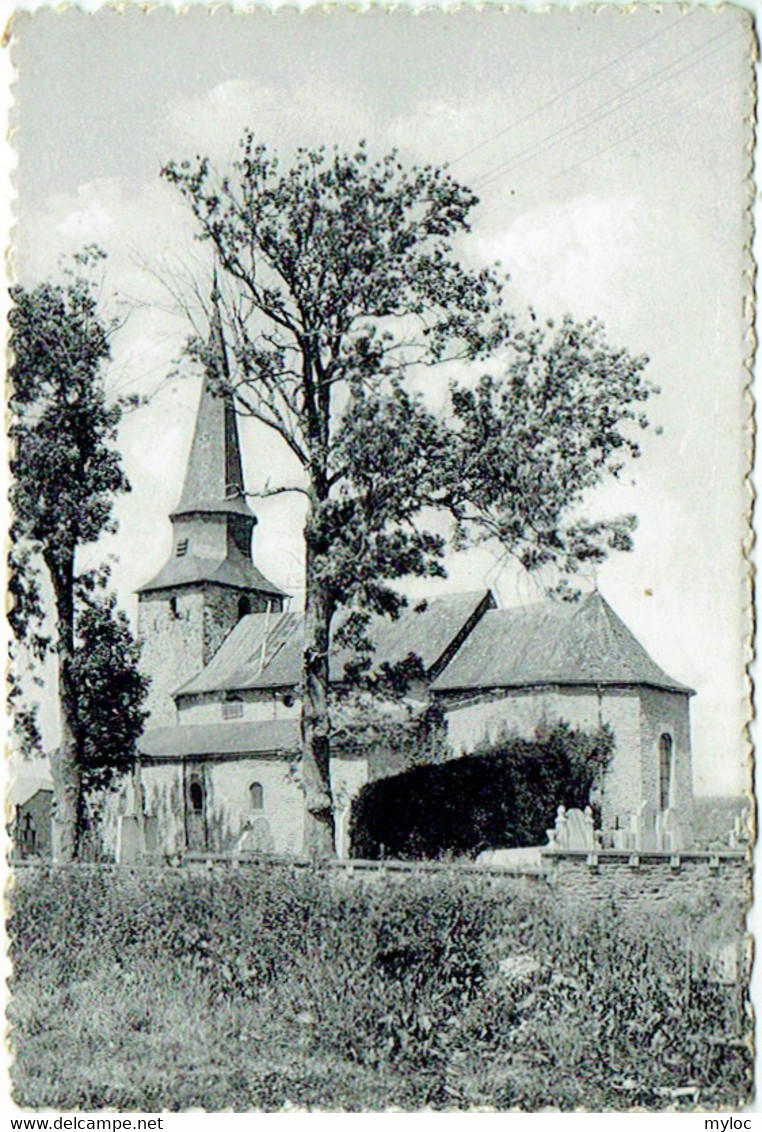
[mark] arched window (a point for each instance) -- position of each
(244, 607)
(257, 796)
(665, 771)
(196, 795)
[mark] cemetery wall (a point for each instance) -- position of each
(651, 880)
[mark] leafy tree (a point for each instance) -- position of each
(346, 285)
(528, 446)
(110, 686)
(66, 473)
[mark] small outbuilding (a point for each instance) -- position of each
(32, 822)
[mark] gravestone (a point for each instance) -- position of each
(128, 840)
(562, 829)
(644, 828)
(137, 837)
(622, 835)
(668, 831)
(341, 825)
(580, 830)
(150, 835)
(256, 839)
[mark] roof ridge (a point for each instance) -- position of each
(548, 643)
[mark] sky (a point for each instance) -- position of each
(609, 150)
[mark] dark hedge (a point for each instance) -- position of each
(504, 796)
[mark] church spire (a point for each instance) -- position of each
(214, 476)
(213, 524)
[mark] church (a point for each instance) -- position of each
(218, 764)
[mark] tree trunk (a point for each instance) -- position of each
(65, 766)
(316, 775)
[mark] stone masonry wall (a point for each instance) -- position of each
(620, 709)
(228, 801)
(652, 881)
(220, 613)
(177, 645)
(172, 647)
(229, 808)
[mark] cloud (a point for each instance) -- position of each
(442, 130)
(569, 255)
(315, 113)
(90, 221)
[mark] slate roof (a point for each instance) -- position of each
(23, 788)
(552, 643)
(239, 738)
(214, 476)
(239, 572)
(263, 652)
(214, 485)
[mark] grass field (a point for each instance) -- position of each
(162, 989)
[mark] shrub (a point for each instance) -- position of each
(505, 795)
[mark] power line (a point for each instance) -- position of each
(604, 149)
(570, 90)
(608, 107)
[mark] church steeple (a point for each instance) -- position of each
(209, 581)
(214, 476)
(213, 523)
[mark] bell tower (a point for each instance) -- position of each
(209, 581)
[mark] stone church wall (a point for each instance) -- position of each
(481, 716)
(620, 709)
(181, 630)
(229, 804)
(220, 615)
(668, 713)
(164, 800)
(229, 809)
(172, 640)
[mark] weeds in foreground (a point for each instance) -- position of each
(254, 989)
